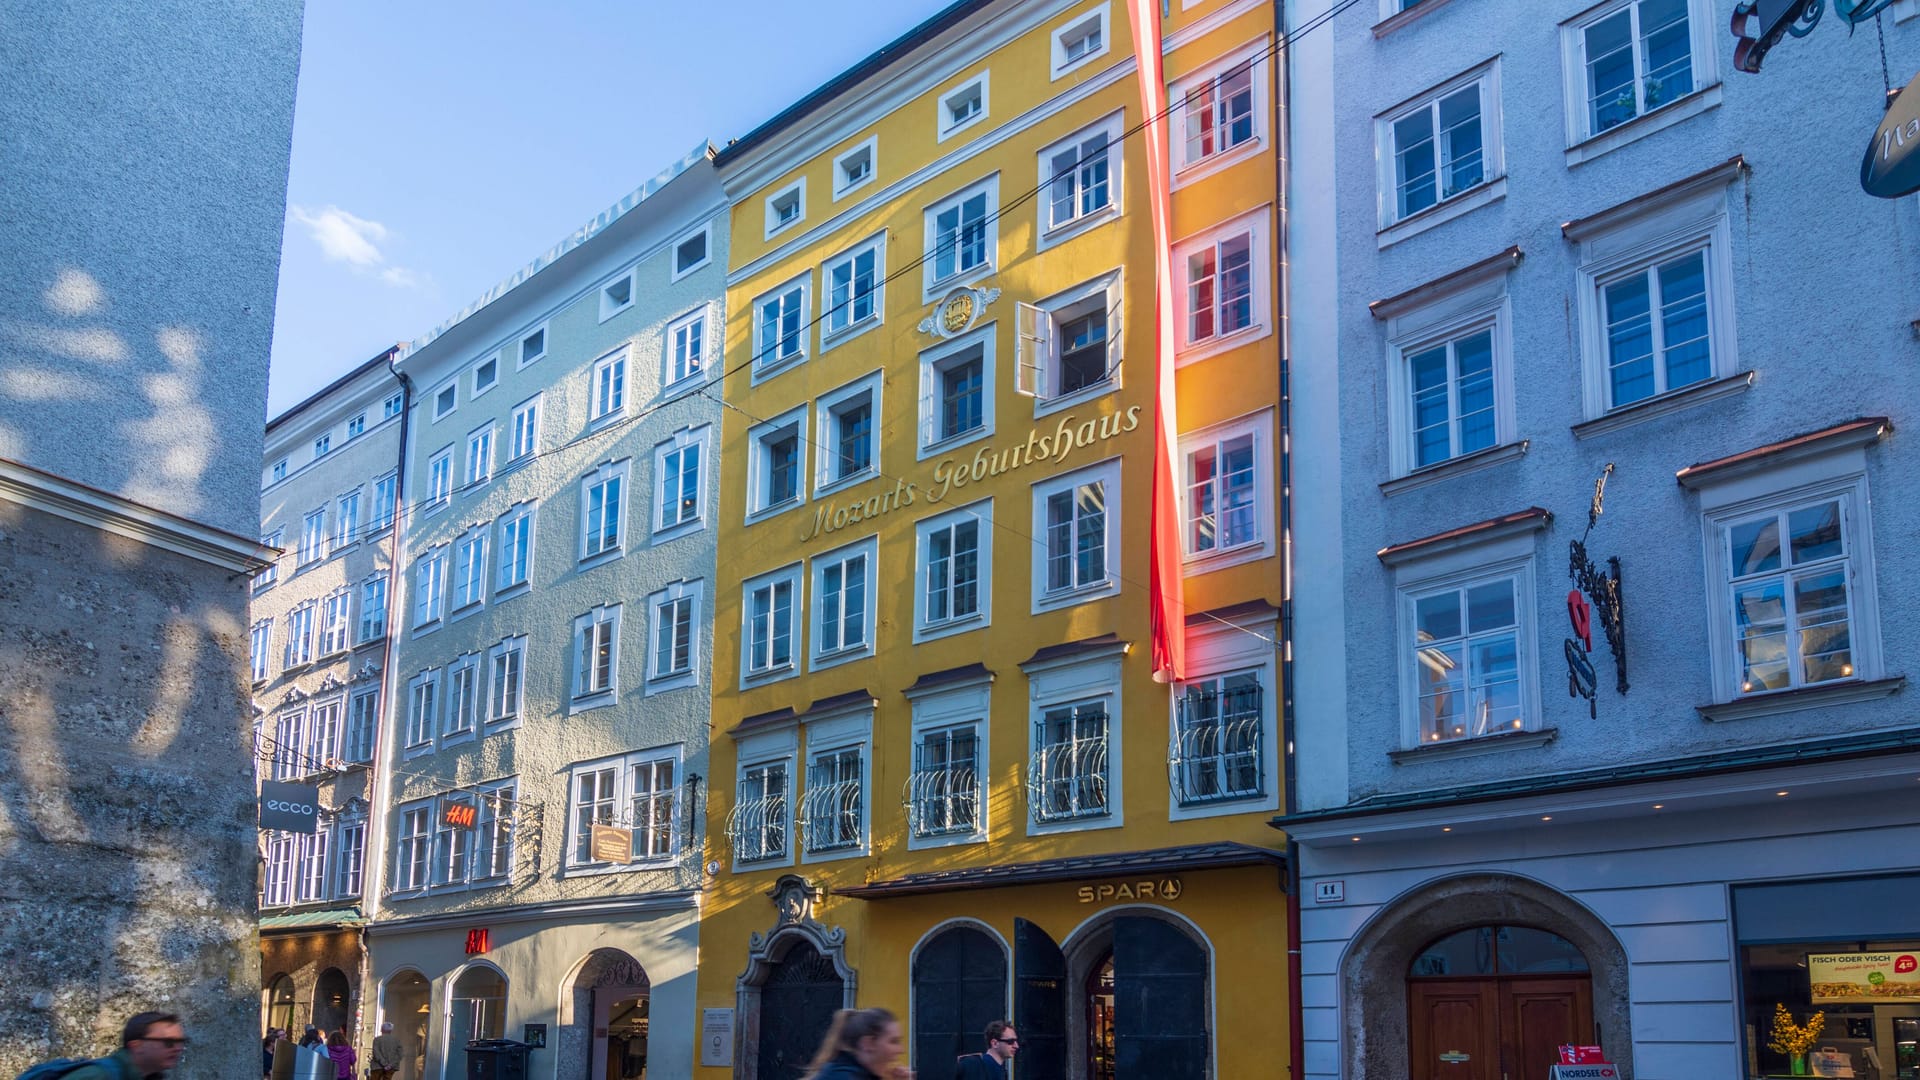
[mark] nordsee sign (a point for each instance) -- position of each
(1891, 168)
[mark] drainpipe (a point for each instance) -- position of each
(1296, 1040)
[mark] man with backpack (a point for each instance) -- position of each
(150, 1046)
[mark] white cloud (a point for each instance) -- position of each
(354, 240)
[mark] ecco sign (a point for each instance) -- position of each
(291, 808)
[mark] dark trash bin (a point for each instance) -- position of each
(497, 1059)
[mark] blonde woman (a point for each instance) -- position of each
(862, 1044)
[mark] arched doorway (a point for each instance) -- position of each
(1493, 1003)
(331, 996)
(604, 1019)
(477, 1009)
(1128, 996)
(405, 1004)
(280, 1005)
(959, 987)
(797, 1002)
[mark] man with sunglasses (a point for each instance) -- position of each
(150, 1046)
(1002, 1044)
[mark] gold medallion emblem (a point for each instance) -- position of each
(957, 315)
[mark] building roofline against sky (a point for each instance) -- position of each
(885, 55)
(331, 388)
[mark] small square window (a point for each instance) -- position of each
(392, 406)
(855, 168)
(776, 476)
(1081, 40)
(322, 444)
(787, 207)
(616, 296)
(533, 346)
(485, 375)
(444, 400)
(780, 326)
(962, 106)
(692, 252)
(279, 470)
(962, 234)
(357, 426)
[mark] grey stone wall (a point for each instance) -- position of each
(127, 864)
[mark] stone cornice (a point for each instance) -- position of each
(121, 516)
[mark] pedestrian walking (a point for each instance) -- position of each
(150, 1045)
(266, 1051)
(313, 1040)
(862, 1044)
(384, 1058)
(341, 1051)
(990, 1064)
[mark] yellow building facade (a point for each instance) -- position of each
(944, 778)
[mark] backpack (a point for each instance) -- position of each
(59, 1067)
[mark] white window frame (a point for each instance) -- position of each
(1486, 78)
(981, 514)
(441, 395)
(430, 584)
(826, 435)
(511, 516)
(298, 651)
(1097, 20)
(322, 445)
(469, 569)
(775, 749)
(759, 464)
(945, 126)
(692, 594)
(1464, 308)
(347, 526)
(1216, 650)
(830, 334)
(260, 649)
(1038, 336)
(522, 360)
(349, 872)
(475, 388)
(794, 193)
(848, 731)
(440, 479)
(391, 407)
(270, 573)
(382, 508)
(277, 471)
(1257, 224)
(842, 187)
(1187, 170)
(1259, 426)
(623, 768)
(583, 695)
(527, 430)
(619, 472)
(413, 847)
(610, 303)
(479, 457)
(496, 717)
(614, 366)
(934, 364)
(336, 622)
(947, 708)
(356, 426)
(1079, 680)
(1704, 26)
(868, 551)
(764, 364)
(933, 284)
(464, 687)
(790, 576)
(704, 231)
(313, 538)
(696, 330)
(420, 713)
(1106, 473)
(365, 630)
(358, 743)
(1047, 231)
(699, 440)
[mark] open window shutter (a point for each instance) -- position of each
(1159, 1001)
(1040, 1003)
(1034, 331)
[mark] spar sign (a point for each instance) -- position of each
(1864, 978)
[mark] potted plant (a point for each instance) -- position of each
(1795, 1040)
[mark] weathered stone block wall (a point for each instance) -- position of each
(303, 957)
(128, 871)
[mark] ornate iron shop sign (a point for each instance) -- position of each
(1777, 18)
(1595, 596)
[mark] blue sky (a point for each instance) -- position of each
(439, 146)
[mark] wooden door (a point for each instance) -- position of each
(1537, 1017)
(1454, 1030)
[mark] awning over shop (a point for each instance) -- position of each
(311, 920)
(1183, 859)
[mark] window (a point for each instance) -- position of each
(270, 573)
(603, 509)
(1219, 728)
(470, 569)
(853, 288)
(350, 846)
(1223, 286)
(962, 234)
(1079, 41)
(774, 474)
(596, 651)
(1450, 387)
(1075, 517)
(1657, 329)
(347, 529)
(313, 538)
(848, 436)
(322, 444)
(453, 842)
(1069, 343)
(676, 614)
(336, 621)
(323, 736)
(833, 810)
(463, 699)
(278, 887)
(444, 399)
(391, 407)
(787, 207)
(758, 827)
(279, 470)
(609, 387)
(955, 560)
(843, 584)
(1441, 146)
(768, 614)
(1226, 471)
(505, 664)
(962, 106)
(1789, 585)
(485, 374)
(1467, 660)
(290, 746)
(533, 346)
(383, 499)
(373, 610)
(616, 296)
(944, 788)
(259, 641)
(423, 700)
(636, 793)
(1633, 57)
(357, 426)
(855, 168)
(299, 636)
(363, 713)
(1219, 110)
(956, 392)
(310, 867)
(516, 547)
(430, 587)
(1079, 181)
(692, 252)
(479, 852)
(780, 327)
(687, 347)
(480, 456)
(526, 430)
(411, 871)
(1069, 768)
(439, 479)
(679, 470)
